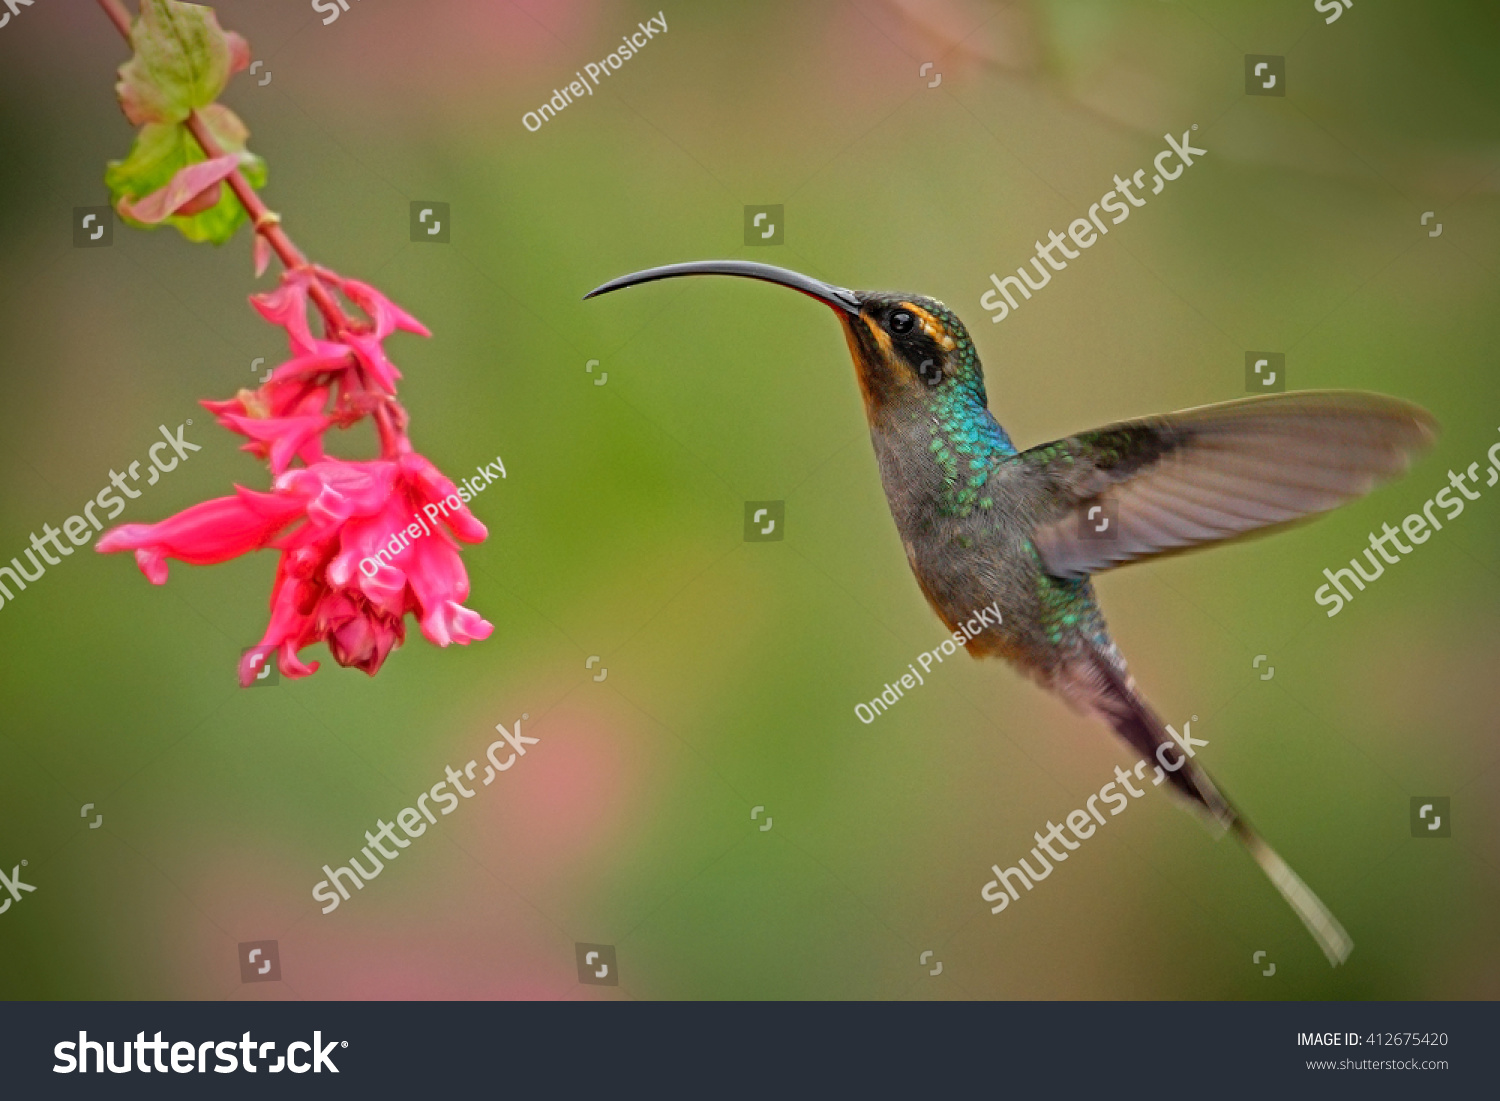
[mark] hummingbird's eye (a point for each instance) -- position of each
(901, 322)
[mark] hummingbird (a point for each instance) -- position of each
(983, 522)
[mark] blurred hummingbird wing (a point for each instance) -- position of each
(1139, 488)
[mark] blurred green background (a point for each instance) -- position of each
(734, 667)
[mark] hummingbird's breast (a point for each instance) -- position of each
(966, 530)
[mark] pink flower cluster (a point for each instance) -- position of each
(326, 515)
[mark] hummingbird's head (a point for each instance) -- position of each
(906, 347)
(910, 348)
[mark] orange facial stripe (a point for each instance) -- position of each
(930, 326)
(881, 336)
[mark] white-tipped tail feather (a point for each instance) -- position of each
(1102, 683)
(1320, 922)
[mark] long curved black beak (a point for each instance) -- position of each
(837, 297)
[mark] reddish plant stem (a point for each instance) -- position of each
(118, 16)
(266, 224)
(389, 437)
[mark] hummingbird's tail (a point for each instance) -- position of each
(1109, 691)
(1319, 919)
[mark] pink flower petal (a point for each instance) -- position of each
(440, 584)
(214, 531)
(372, 358)
(153, 564)
(383, 313)
(327, 357)
(434, 486)
(335, 490)
(288, 625)
(291, 665)
(452, 622)
(287, 306)
(269, 506)
(285, 436)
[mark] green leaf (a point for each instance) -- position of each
(162, 148)
(183, 59)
